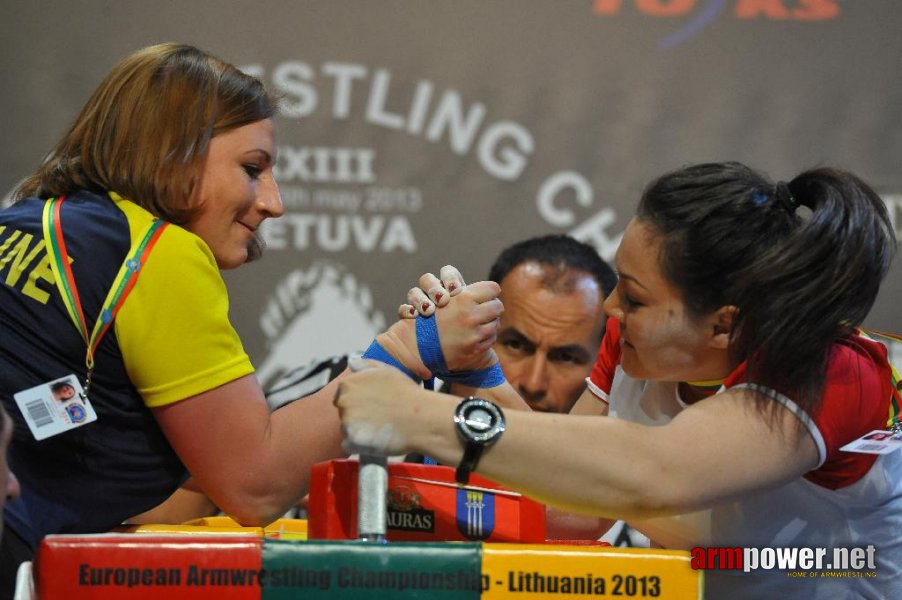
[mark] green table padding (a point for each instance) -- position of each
(397, 570)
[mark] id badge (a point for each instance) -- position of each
(54, 407)
(876, 442)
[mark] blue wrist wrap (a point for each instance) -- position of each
(432, 356)
(377, 352)
(429, 346)
(480, 378)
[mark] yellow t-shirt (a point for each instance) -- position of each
(174, 330)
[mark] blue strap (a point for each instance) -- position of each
(377, 352)
(432, 356)
(480, 378)
(429, 346)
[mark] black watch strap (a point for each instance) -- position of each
(472, 453)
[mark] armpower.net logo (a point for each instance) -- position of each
(855, 562)
(695, 15)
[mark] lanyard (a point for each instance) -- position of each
(894, 421)
(122, 284)
(706, 388)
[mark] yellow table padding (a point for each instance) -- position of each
(532, 571)
(285, 529)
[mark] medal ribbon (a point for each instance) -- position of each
(122, 284)
(894, 405)
(706, 388)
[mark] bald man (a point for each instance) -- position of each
(552, 288)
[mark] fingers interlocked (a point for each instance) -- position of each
(432, 292)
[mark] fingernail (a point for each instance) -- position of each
(412, 311)
(452, 287)
(438, 297)
(425, 306)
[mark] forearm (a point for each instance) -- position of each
(564, 525)
(299, 436)
(714, 452)
(253, 464)
(503, 395)
(581, 464)
(555, 459)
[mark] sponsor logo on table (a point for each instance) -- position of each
(406, 513)
(475, 513)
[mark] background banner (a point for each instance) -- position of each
(418, 134)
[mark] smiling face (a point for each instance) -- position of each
(237, 192)
(660, 340)
(548, 339)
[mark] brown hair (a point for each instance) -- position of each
(801, 279)
(146, 130)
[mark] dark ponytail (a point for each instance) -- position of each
(802, 261)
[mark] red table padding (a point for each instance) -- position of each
(132, 566)
(424, 504)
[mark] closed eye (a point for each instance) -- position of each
(253, 171)
(632, 302)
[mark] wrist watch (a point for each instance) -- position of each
(479, 424)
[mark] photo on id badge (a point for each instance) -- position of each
(876, 442)
(55, 407)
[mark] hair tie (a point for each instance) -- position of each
(787, 201)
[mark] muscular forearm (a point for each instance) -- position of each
(301, 435)
(252, 463)
(562, 460)
(504, 395)
(714, 451)
(711, 453)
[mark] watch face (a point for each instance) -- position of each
(479, 420)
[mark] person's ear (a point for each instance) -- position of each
(723, 325)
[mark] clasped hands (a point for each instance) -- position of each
(373, 399)
(465, 319)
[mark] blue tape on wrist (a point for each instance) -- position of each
(377, 352)
(429, 345)
(481, 378)
(432, 356)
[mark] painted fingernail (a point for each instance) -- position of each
(438, 297)
(425, 306)
(452, 287)
(412, 311)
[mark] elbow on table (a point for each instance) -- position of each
(255, 510)
(255, 516)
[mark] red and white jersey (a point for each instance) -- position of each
(848, 500)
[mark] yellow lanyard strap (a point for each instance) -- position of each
(896, 399)
(122, 285)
